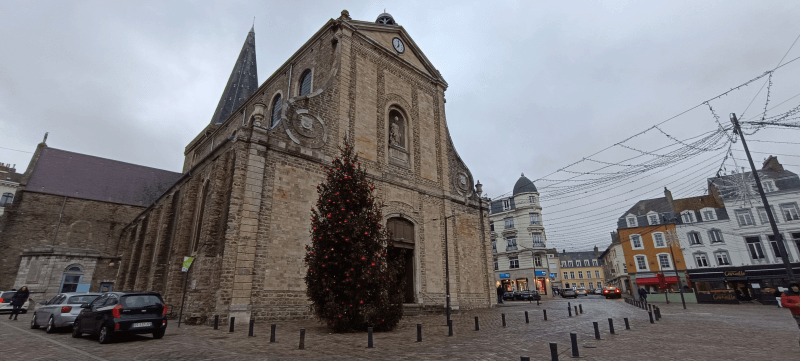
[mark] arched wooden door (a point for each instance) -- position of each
(402, 233)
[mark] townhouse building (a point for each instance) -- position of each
(582, 269)
(615, 269)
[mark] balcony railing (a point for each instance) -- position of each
(511, 248)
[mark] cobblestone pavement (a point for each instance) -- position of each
(702, 332)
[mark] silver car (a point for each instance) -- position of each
(61, 310)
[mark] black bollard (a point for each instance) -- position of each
(232, 321)
(419, 332)
(526, 317)
(272, 333)
(651, 317)
(576, 310)
(553, 351)
(570, 311)
(580, 307)
(369, 337)
(596, 330)
(504, 319)
(544, 312)
(658, 312)
(252, 323)
(655, 313)
(524, 358)
(216, 322)
(611, 326)
(627, 325)
(450, 328)
(303, 339)
(477, 326)
(573, 338)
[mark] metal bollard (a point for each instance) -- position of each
(655, 313)
(524, 358)
(477, 326)
(576, 310)
(369, 337)
(581, 308)
(658, 311)
(651, 317)
(233, 319)
(450, 328)
(272, 333)
(544, 312)
(573, 338)
(303, 339)
(570, 311)
(419, 332)
(611, 326)
(252, 323)
(596, 330)
(553, 351)
(526, 317)
(504, 319)
(216, 322)
(627, 325)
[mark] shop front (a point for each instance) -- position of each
(738, 284)
(653, 282)
(516, 281)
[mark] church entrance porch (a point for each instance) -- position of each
(401, 232)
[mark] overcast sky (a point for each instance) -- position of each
(533, 86)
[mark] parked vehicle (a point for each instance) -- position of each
(61, 310)
(581, 292)
(565, 293)
(5, 302)
(508, 296)
(612, 292)
(598, 291)
(122, 312)
(529, 295)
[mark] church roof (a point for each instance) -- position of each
(242, 83)
(524, 185)
(84, 176)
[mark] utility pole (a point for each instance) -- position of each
(767, 208)
(447, 268)
(672, 240)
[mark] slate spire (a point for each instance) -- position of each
(242, 83)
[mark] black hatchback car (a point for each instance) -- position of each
(122, 312)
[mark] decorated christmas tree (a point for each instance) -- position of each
(350, 280)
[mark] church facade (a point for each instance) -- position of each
(242, 207)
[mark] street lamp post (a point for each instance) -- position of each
(447, 269)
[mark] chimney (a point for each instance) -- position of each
(771, 163)
(596, 251)
(668, 195)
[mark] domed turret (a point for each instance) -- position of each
(524, 185)
(385, 19)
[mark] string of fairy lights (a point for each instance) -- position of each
(583, 201)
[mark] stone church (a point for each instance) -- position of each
(242, 206)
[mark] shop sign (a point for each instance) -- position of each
(541, 273)
(552, 275)
(505, 275)
(734, 273)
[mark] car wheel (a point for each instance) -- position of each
(51, 327)
(33, 322)
(105, 335)
(76, 330)
(159, 333)
(23, 311)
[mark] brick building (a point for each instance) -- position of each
(249, 181)
(62, 231)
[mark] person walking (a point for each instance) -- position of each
(642, 295)
(791, 300)
(17, 300)
(500, 293)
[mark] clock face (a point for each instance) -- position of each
(398, 45)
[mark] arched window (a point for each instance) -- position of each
(276, 111)
(73, 275)
(400, 230)
(201, 212)
(7, 198)
(305, 82)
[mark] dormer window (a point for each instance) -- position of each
(653, 218)
(687, 217)
(708, 214)
(631, 221)
(506, 204)
(768, 186)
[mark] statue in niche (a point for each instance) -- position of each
(396, 131)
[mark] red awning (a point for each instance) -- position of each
(654, 280)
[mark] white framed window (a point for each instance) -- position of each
(532, 199)
(572, 274)
(569, 263)
(537, 261)
(641, 263)
(495, 265)
(534, 217)
(754, 247)
(687, 216)
(631, 221)
(583, 285)
(563, 264)
(715, 236)
(580, 274)
(652, 217)
(513, 262)
(768, 186)
(506, 204)
(6, 199)
(591, 285)
(694, 238)
(566, 276)
(625, 268)
(636, 242)
(494, 246)
(774, 245)
(664, 261)
(762, 215)
(589, 274)
(537, 239)
(708, 214)
(511, 244)
(722, 258)
(658, 240)
(594, 262)
(701, 260)
(744, 217)
(599, 285)
(509, 222)
(596, 274)
(586, 263)
(789, 211)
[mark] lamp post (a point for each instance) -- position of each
(672, 240)
(447, 268)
